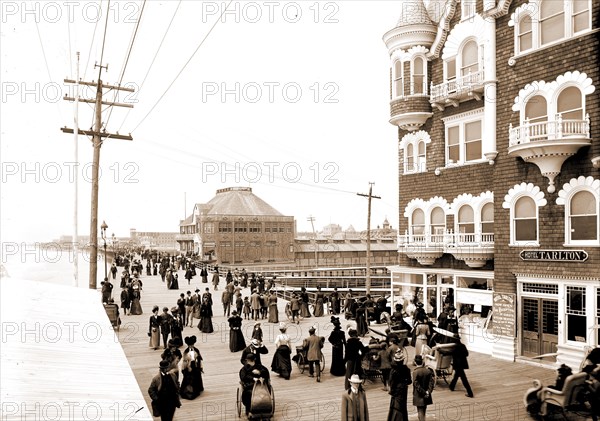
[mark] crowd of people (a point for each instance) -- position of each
(250, 299)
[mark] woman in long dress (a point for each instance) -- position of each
(205, 324)
(337, 338)
(304, 311)
(175, 282)
(136, 296)
(399, 380)
(191, 367)
(273, 312)
(236, 336)
(319, 299)
(282, 362)
(421, 333)
(153, 329)
(176, 328)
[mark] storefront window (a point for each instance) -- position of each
(576, 314)
(475, 283)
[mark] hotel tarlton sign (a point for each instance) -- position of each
(554, 255)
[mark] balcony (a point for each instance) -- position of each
(548, 144)
(184, 237)
(453, 91)
(410, 112)
(474, 249)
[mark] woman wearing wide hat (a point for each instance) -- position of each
(191, 367)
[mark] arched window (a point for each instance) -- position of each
(525, 36)
(536, 109)
(583, 217)
(569, 104)
(398, 79)
(418, 224)
(410, 158)
(470, 58)
(525, 220)
(487, 219)
(466, 223)
(418, 75)
(438, 224)
(552, 21)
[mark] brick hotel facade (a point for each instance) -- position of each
(499, 182)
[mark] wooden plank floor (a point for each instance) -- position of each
(498, 385)
(59, 357)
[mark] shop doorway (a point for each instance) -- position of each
(540, 326)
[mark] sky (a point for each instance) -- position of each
(289, 98)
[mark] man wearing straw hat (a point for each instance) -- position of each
(354, 401)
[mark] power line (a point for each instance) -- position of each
(92, 43)
(127, 59)
(104, 39)
(153, 59)
(184, 66)
(46, 61)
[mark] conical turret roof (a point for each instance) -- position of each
(413, 12)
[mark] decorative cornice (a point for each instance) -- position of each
(472, 28)
(461, 116)
(414, 137)
(524, 189)
(525, 9)
(578, 184)
(443, 28)
(549, 89)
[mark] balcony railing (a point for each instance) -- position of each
(448, 239)
(457, 88)
(558, 129)
(473, 248)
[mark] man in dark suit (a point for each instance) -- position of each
(164, 393)
(460, 364)
(313, 345)
(423, 383)
(165, 325)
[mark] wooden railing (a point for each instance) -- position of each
(549, 130)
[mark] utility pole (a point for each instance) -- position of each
(311, 219)
(370, 196)
(97, 139)
(76, 184)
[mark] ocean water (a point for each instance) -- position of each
(54, 264)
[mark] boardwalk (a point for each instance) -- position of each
(60, 359)
(498, 385)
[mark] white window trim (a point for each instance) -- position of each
(565, 195)
(412, 74)
(394, 77)
(467, 5)
(532, 8)
(477, 203)
(460, 120)
(414, 139)
(514, 194)
(565, 332)
(551, 91)
(458, 64)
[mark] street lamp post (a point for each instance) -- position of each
(103, 228)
